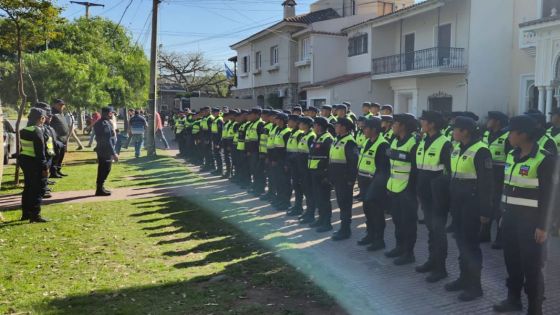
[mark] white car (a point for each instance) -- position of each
(9, 141)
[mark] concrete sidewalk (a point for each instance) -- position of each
(361, 281)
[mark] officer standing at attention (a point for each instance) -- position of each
(50, 146)
(343, 169)
(366, 110)
(302, 161)
(554, 130)
(373, 173)
(326, 112)
(496, 137)
(216, 137)
(225, 144)
(318, 168)
(60, 124)
(292, 157)
(242, 163)
(272, 187)
(471, 203)
(105, 149)
(433, 161)
(387, 110)
(206, 139)
(33, 161)
(375, 109)
(311, 112)
(263, 151)
(179, 126)
(349, 112)
(401, 186)
(279, 164)
(252, 145)
(529, 183)
(387, 125)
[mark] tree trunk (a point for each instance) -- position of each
(33, 87)
(80, 118)
(1, 146)
(23, 99)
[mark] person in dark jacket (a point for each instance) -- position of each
(137, 126)
(60, 125)
(33, 161)
(343, 169)
(471, 194)
(106, 154)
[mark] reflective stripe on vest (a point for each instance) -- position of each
(360, 139)
(314, 160)
(263, 141)
(388, 135)
(337, 154)
(214, 128)
(462, 165)
(292, 146)
(497, 147)
(225, 130)
(303, 145)
(252, 131)
(179, 124)
(50, 146)
(556, 138)
(366, 163)
(27, 147)
(521, 182)
(279, 138)
(271, 136)
(196, 127)
(430, 159)
(241, 136)
(400, 167)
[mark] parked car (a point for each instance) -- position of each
(9, 141)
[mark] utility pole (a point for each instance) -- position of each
(87, 5)
(152, 106)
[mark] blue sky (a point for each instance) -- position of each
(209, 26)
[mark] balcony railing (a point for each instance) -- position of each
(431, 58)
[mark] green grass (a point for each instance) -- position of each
(81, 168)
(143, 256)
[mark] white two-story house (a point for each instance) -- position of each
(446, 55)
(539, 38)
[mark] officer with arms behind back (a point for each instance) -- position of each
(529, 182)
(106, 154)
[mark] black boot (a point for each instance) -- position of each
(102, 192)
(325, 227)
(456, 285)
(426, 267)
(535, 308)
(405, 259)
(395, 252)
(366, 240)
(470, 294)
(436, 275)
(376, 245)
(306, 218)
(38, 219)
(342, 234)
(511, 304)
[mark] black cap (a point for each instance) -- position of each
(362, 118)
(404, 118)
(59, 101)
(321, 121)
(499, 116)
(35, 114)
(256, 110)
(347, 104)
(244, 111)
(293, 117)
(471, 115)
(44, 106)
(296, 108)
(329, 107)
(433, 117)
(306, 120)
(215, 109)
(375, 104)
(312, 109)
(373, 123)
(523, 123)
(341, 106)
(274, 112)
(235, 112)
(387, 106)
(388, 118)
(366, 104)
(266, 111)
(282, 116)
(205, 108)
(464, 122)
(455, 114)
(347, 123)
(538, 116)
(108, 109)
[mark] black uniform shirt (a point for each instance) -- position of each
(346, 172)
(60, 124)
(103, 129)
(548, 183)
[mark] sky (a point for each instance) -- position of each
(208, 26)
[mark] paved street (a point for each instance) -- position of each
(361, 281)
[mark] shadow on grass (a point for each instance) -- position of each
(227, 267)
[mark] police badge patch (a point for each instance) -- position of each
(524, 170)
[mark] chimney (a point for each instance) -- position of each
(289, 8)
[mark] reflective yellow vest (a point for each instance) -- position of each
(225, 130)
(263, 141)
(196, 127)
(179, 125)
(400, 166)
(271, 137)
(556, 138)
(314, 160)
(293, 141)
(303, 144)
(27, 147)
(521, 182)
(204, 123)
(235, 134)
(389, 135)
(214, 127)
(252, 131)
(543, 140)
(337, 153)
(366, 162)
(242, 135)
(462, 165)
(360, 138)
(279, 138)
(50, 146)
(430, 160)
(497, 147)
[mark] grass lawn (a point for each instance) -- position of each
(81, 167)
(145, 256)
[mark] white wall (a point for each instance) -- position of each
(490, 57)
(359, 63)
(328, 57)
(453, 85)
(244, 81)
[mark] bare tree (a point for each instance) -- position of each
(193, 72)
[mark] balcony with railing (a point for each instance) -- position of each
(421, 62)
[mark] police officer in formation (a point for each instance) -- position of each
(443, 165)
